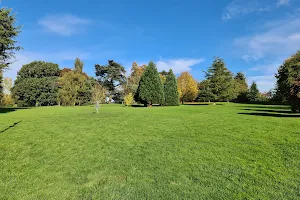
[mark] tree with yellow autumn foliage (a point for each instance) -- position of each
(187, 87)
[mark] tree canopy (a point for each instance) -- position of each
(112, 77)
(287, 81)
(253, 94)
(220, 81)
(187, 87)
(150, 90)
(171, 90)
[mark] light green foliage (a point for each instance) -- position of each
(78, 65)
(150, 90)
(220, 81)
(99, 93)
(70, 85)
(134, 78)
(182, 152)
(170, 90)
(128, 99)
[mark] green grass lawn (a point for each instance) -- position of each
(229, 151)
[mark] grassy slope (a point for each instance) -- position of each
(209, 152)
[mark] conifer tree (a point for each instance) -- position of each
(150, 90)
(170, 90)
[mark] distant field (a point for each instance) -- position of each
(228, 151)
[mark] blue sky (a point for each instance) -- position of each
(252, 36)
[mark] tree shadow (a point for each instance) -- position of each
(272, 114)
(271, 111)
(10, 127)
(7, 110)
(267, 107)
(202, 104)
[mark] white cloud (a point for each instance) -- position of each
(280, 40)
(282, 2)
(26, 57)
(177, 65)
(264, 83)
(244, 7)
(64, 25)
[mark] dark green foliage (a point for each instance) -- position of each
(85, 95)
(241, 87)
(287, 79)
(1, 88)
(253, 93)
(8, 33)
(33, 91)
(150, 90)
(36, 84)
(170, 90)
(220, 81)
(38, 69)
(205, 94)
(111, 76)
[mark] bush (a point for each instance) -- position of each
(128, 99)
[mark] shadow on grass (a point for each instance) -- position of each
(272, 115)
(271, 111)
(267, 107)
(202, 104)
(7, 110)
(10, 127)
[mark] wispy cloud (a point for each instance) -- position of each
(282, 2)
(280, 40)
(264, 83)
(26, 57)
(244, 7)
(178, 65)
(64, 25)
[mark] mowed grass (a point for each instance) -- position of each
(229, 151)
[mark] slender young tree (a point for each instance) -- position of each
(150, 90)
(171, 90)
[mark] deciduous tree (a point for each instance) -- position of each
(36, 83)
(287, 81)
(187, 87)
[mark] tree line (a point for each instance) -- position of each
(43, 83)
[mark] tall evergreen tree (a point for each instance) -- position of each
(150, 90)
(220, 81)
(288, 76)
(170, 90)
(241, 87)
(253, 93)
(8, 33)
(112, 77)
